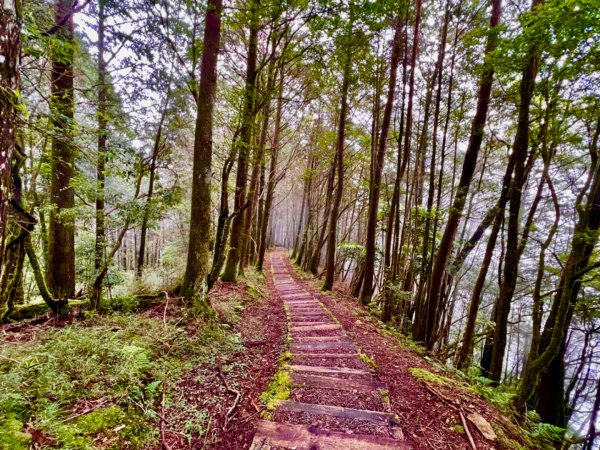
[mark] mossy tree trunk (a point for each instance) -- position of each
(10, 49)
(61, 232)
(194, 285)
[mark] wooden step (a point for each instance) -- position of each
(310, 317)
(336, 338)
(315, 325)
(324, 327)
(340, 412)
(326, 355)
(330, 370)
(339, 384)
(303, 304)
(302, 437)
(326, 345)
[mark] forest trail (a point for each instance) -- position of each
(336, 401)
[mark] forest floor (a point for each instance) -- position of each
(148, 377)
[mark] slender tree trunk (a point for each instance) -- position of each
(244, 143)
(102, 120)
(100, 275)
(378, 157)
(331, 238)
(258, 159)
(61, 232)
(437, 76)
(511, 261)
(497, 215)
(301, 220)
(272, 174)
(428, 331)
(194, 284)
(223, 224)
(321, 234)
(592, 434)
(393, 218)
(141, 260)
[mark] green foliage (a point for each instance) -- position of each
(116, 361)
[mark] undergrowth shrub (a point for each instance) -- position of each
(119, 360)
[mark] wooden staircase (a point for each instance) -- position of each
(336, 401)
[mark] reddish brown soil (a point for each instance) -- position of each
(347, 399)
(427, 421)
(262, 327)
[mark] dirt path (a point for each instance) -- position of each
(337, 402)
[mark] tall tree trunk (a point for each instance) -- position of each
(378, 157)
(10, 48)
(253, 189)
(102, 120)
(428, 331)
(194, 284)
(272, 174)
(511, 261)
(319, 239)
(303, 209)
(141, 260)
(244, 144)
(496, 214)
(223, 223)
(437, 76)
(61, 230)
(331, 238)
(394, 217)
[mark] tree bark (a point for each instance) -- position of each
(544, 364)
(141, 260)
(102, 120)
(194, 286)
(61, 230)
(11, 21)
(244, 144)
(341, 142)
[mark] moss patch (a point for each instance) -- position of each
(367, 360)
(279, 389)
(116, 361)
(429, 377)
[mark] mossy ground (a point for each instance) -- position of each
(97, 383)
